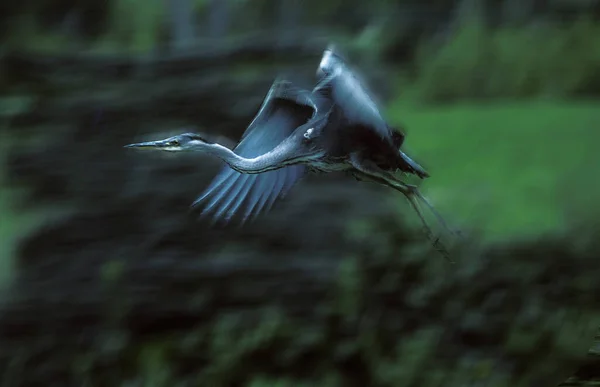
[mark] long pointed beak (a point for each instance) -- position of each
(148, 144)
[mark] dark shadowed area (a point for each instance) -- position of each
(109, 278)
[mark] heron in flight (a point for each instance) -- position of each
(334, 127)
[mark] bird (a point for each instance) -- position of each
(336, 126)
(269, 159)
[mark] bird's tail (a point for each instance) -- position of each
(411, 166)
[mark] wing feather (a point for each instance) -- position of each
(253, 200)
(275, 193)
(240, 199)
(268, 188)
(351, 95)
(217, 197)
(231, 192)
(228, 198)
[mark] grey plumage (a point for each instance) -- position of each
(337, 126)
(363, 119)
(284, 109)
(349, 92)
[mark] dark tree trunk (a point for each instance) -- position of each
(182, 22)
(289, 18)
(218, 23)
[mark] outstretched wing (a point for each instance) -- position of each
(350, 94)
(233, 193)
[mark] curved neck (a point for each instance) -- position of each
(269, 161)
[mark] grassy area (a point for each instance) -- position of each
(510, 169)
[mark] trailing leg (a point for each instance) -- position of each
(372, 172)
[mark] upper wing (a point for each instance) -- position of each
(232, 192)
(350, 95)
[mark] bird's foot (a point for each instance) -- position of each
(457, 233)
(414, 190)
(442, 250)
(437, 244)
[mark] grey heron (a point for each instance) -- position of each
(334, 127)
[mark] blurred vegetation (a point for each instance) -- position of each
(466, 55)
(497, 168)
(533, 61)
(520, 307)
(517, 316)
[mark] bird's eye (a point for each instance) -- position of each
(174, 143)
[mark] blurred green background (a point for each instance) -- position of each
(108, 280)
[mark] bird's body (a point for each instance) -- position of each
(335, 127)
(362, 128)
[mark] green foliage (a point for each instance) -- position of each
(396, 300)
(154, 368)
(496, 167)
(135, 25)
(479, 63)
(16, 222)
(27, 34)
(350, 289)
(396, 318)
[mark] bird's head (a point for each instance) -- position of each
(179, 143)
